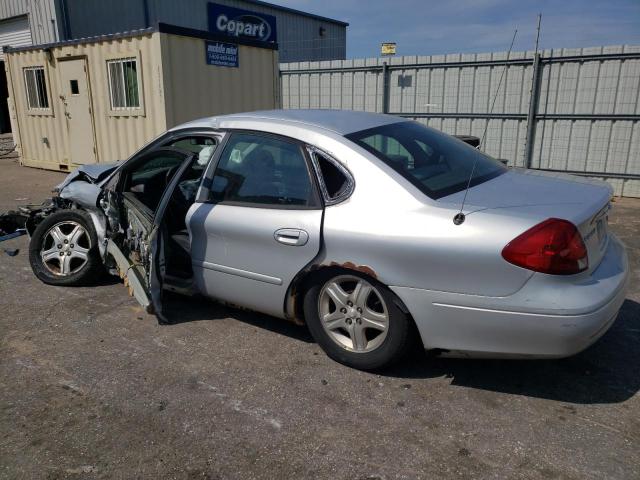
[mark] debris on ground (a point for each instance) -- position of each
(17, 233)
(12, 224)
(6, 150)
(12, 252)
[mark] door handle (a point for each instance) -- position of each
(291, 236)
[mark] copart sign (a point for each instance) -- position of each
(236, 22)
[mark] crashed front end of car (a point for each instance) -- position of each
(80, 189)
(79, 211)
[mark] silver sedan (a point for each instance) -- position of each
(374, 231)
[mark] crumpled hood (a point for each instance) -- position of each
(91, 172)
(524, 188)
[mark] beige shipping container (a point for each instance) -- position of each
(100, 99)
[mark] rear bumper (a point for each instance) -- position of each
(549, 317)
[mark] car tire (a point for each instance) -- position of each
(398, 338)
(62, 262)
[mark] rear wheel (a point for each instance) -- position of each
(356, 321)
(64, 249)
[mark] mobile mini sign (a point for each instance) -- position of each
(236, 22)
(222, 54)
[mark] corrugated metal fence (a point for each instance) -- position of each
(574, 110)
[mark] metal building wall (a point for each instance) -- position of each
(298, 35)
(588, 113)
(42, 17)
(116, 136)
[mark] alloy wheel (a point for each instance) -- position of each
(65, 248)
(353, 313)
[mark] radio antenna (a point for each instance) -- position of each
(460, 217)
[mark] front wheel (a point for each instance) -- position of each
(356, 321)
(64, 249)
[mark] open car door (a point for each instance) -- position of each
(171, 211)
(136, 205)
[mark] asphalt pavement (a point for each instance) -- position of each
(92, 387)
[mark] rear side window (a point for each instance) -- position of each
(434, 162)
(263, 170)
(336, 182)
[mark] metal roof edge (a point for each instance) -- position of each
(159, 27)
(297, 12)
(77, 41)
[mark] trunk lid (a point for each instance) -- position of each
(536, 196)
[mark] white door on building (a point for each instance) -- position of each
(76, 103)
(14, 32)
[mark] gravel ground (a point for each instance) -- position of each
(92, 387)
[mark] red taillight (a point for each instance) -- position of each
(554, 246)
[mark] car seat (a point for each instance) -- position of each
(259, 171)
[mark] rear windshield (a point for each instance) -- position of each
(435, 162)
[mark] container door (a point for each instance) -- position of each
(77, 110)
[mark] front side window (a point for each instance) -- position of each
(36, 88)
(201, 145)
(435, 162)
(123, 83)
(262, 170)
(149, 177)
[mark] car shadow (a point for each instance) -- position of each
(606, 372)
(180, 309)
(104, 280)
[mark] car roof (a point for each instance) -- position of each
(342, 122)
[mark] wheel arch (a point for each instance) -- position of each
(85, 274)
(318, 272)
(97, 218)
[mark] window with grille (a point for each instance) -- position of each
(36, 87)
(123, 83)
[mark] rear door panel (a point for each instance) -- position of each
(237, 258)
